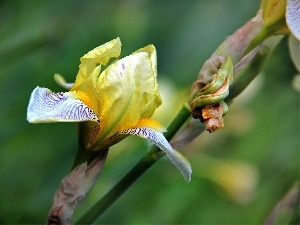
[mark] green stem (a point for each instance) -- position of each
(80, 158)
(142, 166)
(266, 32)
(244, 77)
(177, 122)
(86, 156)
(155, 154)
(296, 215)
(258, 39)
(93, 213)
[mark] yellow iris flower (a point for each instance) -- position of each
(281, 16)
(111, 103)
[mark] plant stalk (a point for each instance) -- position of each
(142, 166)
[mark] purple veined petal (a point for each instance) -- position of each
(46, 107)
(160, 141)
(293, 17)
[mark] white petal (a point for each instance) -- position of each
(294, 47)
(160, 141)
(46, 106)
(293, 17)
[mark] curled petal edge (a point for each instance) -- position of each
(60, 80)
(160, 141)
(46, 107)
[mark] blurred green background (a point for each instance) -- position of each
(239, 172)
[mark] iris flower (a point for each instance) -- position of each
(281, 16)
(110, 104)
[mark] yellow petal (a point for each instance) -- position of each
(82, 96)
(151, 96)
(126, 87)
(151, 124)
(88, 87)
(100, 55)
(117, 137)
(273, 10)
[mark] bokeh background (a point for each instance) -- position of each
(239, 172)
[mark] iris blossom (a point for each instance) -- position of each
(109, 104)
(282, 16)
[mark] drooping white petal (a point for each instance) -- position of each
(293, 17)
(160, 141)
(46, 107)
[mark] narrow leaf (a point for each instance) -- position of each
(283, 211)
